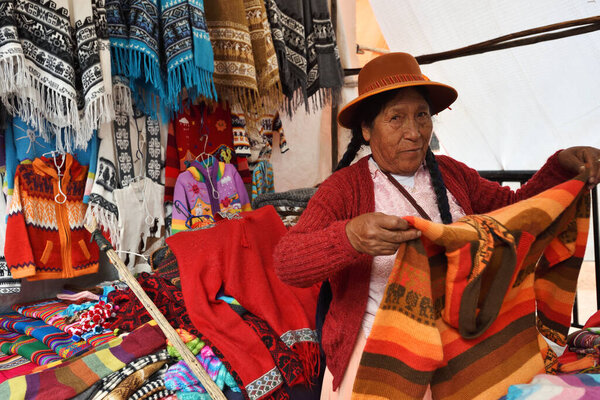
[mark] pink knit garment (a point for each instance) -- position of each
(390, 201)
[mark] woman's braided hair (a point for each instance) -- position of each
(365, 115)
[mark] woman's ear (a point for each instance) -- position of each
(366, 131)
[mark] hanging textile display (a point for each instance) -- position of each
(162, 47)
(307, 54)
(130, 148)
(51, 69)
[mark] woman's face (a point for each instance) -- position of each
(400, 133)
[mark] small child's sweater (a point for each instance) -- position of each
(194, 195)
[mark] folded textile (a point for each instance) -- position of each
(466, 305)
(290, 198)
(12, 365)
(180, 378)
(154, 387)
(544, 387)
(26, 346)
(167, 298)
(51, 313)
(60, 342)
(127, 380)
(51, 383)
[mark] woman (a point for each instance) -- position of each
(352, 227)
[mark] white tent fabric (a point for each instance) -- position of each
(517, 106)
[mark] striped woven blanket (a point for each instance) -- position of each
(465, 306)
(73, 377)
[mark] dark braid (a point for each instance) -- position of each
(356, 142)
(438, 187)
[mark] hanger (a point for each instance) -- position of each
(209, 157)
(61, 197)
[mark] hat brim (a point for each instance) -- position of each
(440, 97)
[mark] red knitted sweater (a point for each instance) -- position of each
(317, 248)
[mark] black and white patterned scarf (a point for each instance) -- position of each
(117, 160)
(306, 49)
(51, 71)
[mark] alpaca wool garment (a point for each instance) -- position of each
(163, 48)
(235, 71)
(51, 67)
(317, 247)
(466, 305)
(52, 240)
(307, 54)
(242, 267)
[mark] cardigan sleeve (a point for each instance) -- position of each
(317, 247)
(485, 196)
(18, 251)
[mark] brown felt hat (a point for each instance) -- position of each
(394, 71)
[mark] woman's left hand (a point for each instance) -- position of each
(576, 159)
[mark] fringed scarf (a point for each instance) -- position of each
(466, 305)
(265, 59)
(51, 71)
(164, 49)
(235, 72)
(304, 40)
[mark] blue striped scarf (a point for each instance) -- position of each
(163, 47)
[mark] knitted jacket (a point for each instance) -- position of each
(48, 240)
(317, 248)
(20, 147)
(194, 195)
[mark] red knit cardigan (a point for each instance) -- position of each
(317, 248)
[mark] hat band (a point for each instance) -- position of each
(393, 79)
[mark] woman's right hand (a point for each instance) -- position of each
(379, 234)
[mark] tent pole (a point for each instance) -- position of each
(334, 105)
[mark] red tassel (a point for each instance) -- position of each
(310, 357)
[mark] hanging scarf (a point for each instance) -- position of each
(306, 51)
(188, 51)
(265, 59)
(52, 69)
(139, 29)
(101, 205)
(466, 305)
(235, 74)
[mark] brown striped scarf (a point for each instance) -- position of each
(246, 69)
(466, 305)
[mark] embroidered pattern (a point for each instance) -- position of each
(264, 385)
(300, 335)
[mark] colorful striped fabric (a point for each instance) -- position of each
(59, 341)
(73, 377)
(51, 313)
(26, 346)
(14, 365)
(550, 387)
(463, 305)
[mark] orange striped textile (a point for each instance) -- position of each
(466, 304)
